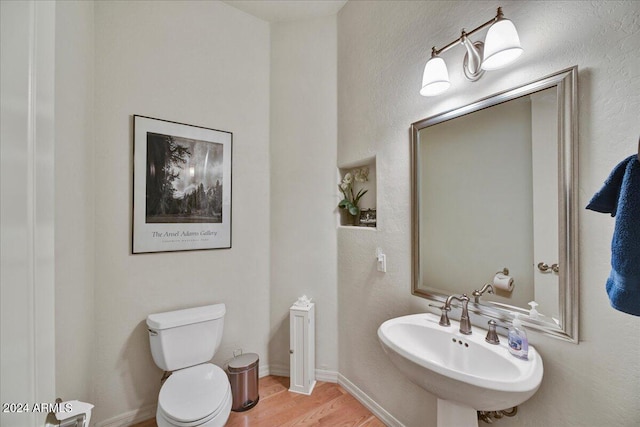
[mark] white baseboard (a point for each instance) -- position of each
(283, 371)
(263, 371)
(368, 402)
(326, 376)
(131, 417)
(278, 370)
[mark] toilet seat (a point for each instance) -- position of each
(194, 396)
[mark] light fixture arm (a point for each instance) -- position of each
(436, 52)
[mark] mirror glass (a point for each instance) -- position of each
(493, 188)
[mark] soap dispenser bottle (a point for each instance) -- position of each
(518, 342)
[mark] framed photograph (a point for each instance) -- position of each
(368, 217)
(181, 187)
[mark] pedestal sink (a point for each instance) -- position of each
(464, 372)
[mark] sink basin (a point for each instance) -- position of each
(458, 368)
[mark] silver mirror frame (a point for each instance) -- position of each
(566, 82)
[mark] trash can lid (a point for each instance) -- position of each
(243, 362)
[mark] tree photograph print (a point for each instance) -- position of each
(184, 180)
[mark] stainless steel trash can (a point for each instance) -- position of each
(243, 376)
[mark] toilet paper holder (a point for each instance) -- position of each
(69, 414)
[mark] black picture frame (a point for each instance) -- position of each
(181, 187)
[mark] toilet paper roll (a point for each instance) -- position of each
(503, 282)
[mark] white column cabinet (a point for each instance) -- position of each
(302, 348)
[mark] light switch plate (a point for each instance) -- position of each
(381, 260)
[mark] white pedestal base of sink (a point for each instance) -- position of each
(454, 414)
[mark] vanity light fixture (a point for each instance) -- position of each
(500, 48)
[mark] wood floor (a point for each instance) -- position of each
(329, 405)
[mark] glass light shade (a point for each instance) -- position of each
(502, 45)
(435, 79)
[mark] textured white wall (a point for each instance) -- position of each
(303, 183)
(201, 63)
(75, 198)
(382, 49)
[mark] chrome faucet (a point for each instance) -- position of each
(465, 323)
(478, 293)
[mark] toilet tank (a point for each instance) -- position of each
(184, 338)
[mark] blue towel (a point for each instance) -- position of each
(620, 196)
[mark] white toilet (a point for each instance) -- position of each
(198, 393)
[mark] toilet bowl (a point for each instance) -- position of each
(196, 396)
(197, 393)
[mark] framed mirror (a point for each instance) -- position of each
(494, 189)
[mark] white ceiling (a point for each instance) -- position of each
(288, 10)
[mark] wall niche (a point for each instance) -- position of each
(361, 176)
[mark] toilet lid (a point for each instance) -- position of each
(194, 393)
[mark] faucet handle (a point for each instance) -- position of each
(444, 317)
(492, 335)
